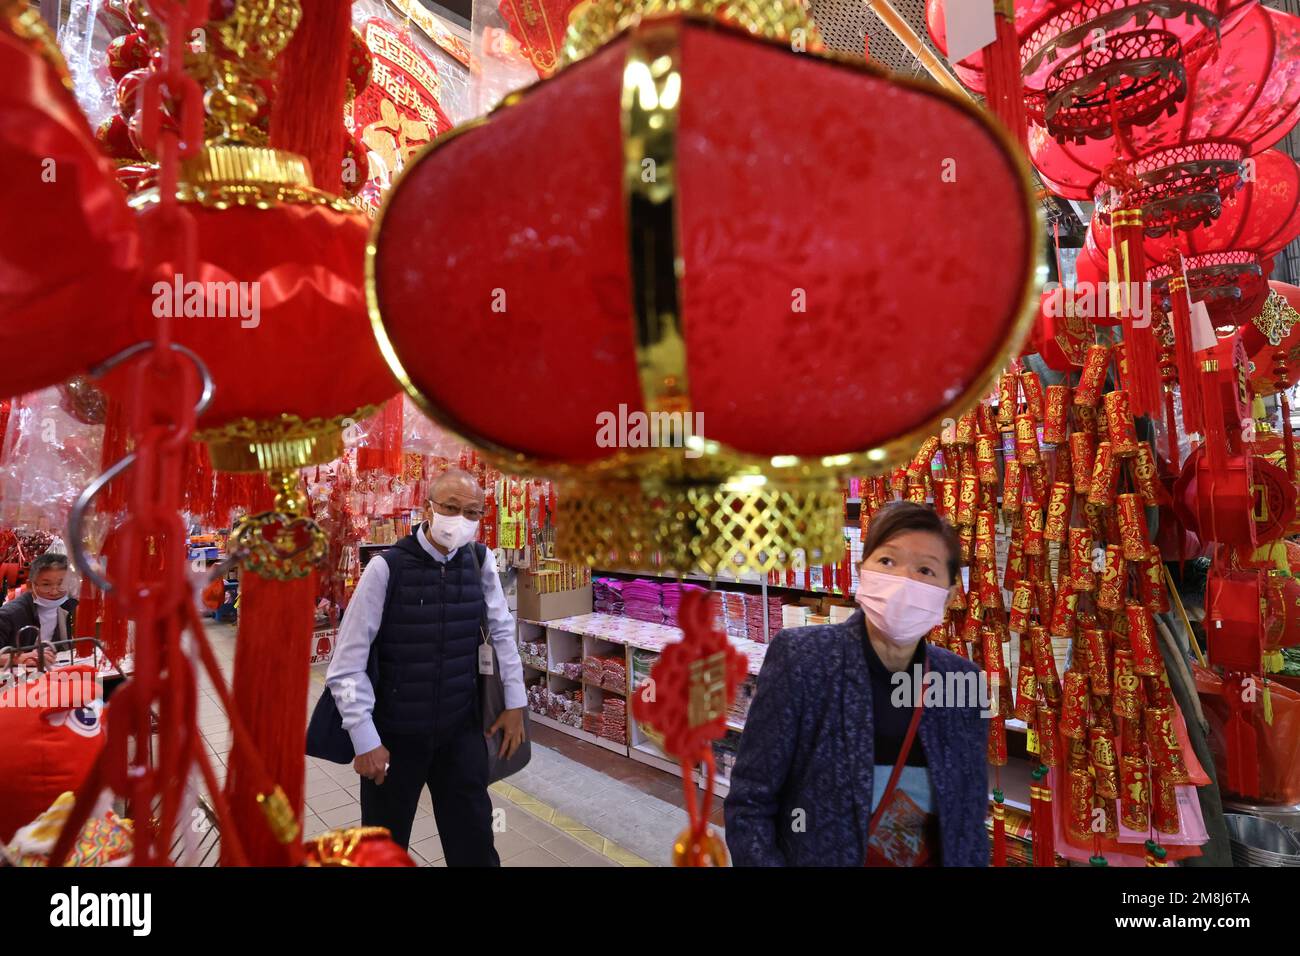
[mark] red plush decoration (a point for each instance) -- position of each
(53, 731)
(903, 320)
(69, 268)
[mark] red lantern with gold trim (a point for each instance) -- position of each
(1238, 103)
(677, 248)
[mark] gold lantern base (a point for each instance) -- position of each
(747, 523)
(280, 444)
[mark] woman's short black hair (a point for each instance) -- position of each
(899, 517)
(47, 562)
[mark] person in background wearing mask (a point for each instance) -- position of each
(44, 604)
(837, 766)
(420, 604)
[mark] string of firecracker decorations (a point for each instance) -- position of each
(1059, 470)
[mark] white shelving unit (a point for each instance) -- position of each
(574, 639)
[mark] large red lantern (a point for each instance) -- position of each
(1228, 259)
(72, 263)
(722, 250)
(1079, 86)
(1238, 103)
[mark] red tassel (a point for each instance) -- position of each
(1171, 429)
(1143, 357)
(307, 115)
(1040, 802)
(112, 450)
(1005, 86)
(270, 693)
(1189, 373)
(1242, 741)
(1289, 442)
(1213, 426)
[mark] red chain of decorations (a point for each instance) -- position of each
(151, 583)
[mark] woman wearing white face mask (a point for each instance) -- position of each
(44, 606)
(837, 766)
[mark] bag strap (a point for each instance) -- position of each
(898, 768)
(478, 569)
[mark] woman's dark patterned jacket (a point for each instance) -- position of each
(807, 746)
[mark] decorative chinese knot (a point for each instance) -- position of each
(685, 706)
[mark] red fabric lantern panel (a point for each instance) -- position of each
(307, 351)
(1248, 95)
(907, 307)
(69, 258)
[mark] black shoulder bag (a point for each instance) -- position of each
(326, 738)
(492, 698)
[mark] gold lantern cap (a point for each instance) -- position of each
(600, 21)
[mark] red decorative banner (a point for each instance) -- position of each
(398, 113)
(540, 25)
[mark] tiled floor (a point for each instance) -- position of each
(574, 805)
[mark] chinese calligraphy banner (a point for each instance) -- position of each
(398, 113)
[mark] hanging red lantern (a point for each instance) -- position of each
(275, 310)
(689, 255)
(1229, 258)
(1087, 65)
(1238, 103)
(51, 167)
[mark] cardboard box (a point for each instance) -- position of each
(533, 606)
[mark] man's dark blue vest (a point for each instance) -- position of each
(428, 642)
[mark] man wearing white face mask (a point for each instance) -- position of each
(417, 608)
(838, 766)
(44, 605)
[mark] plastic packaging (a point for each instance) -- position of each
(48, 458)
